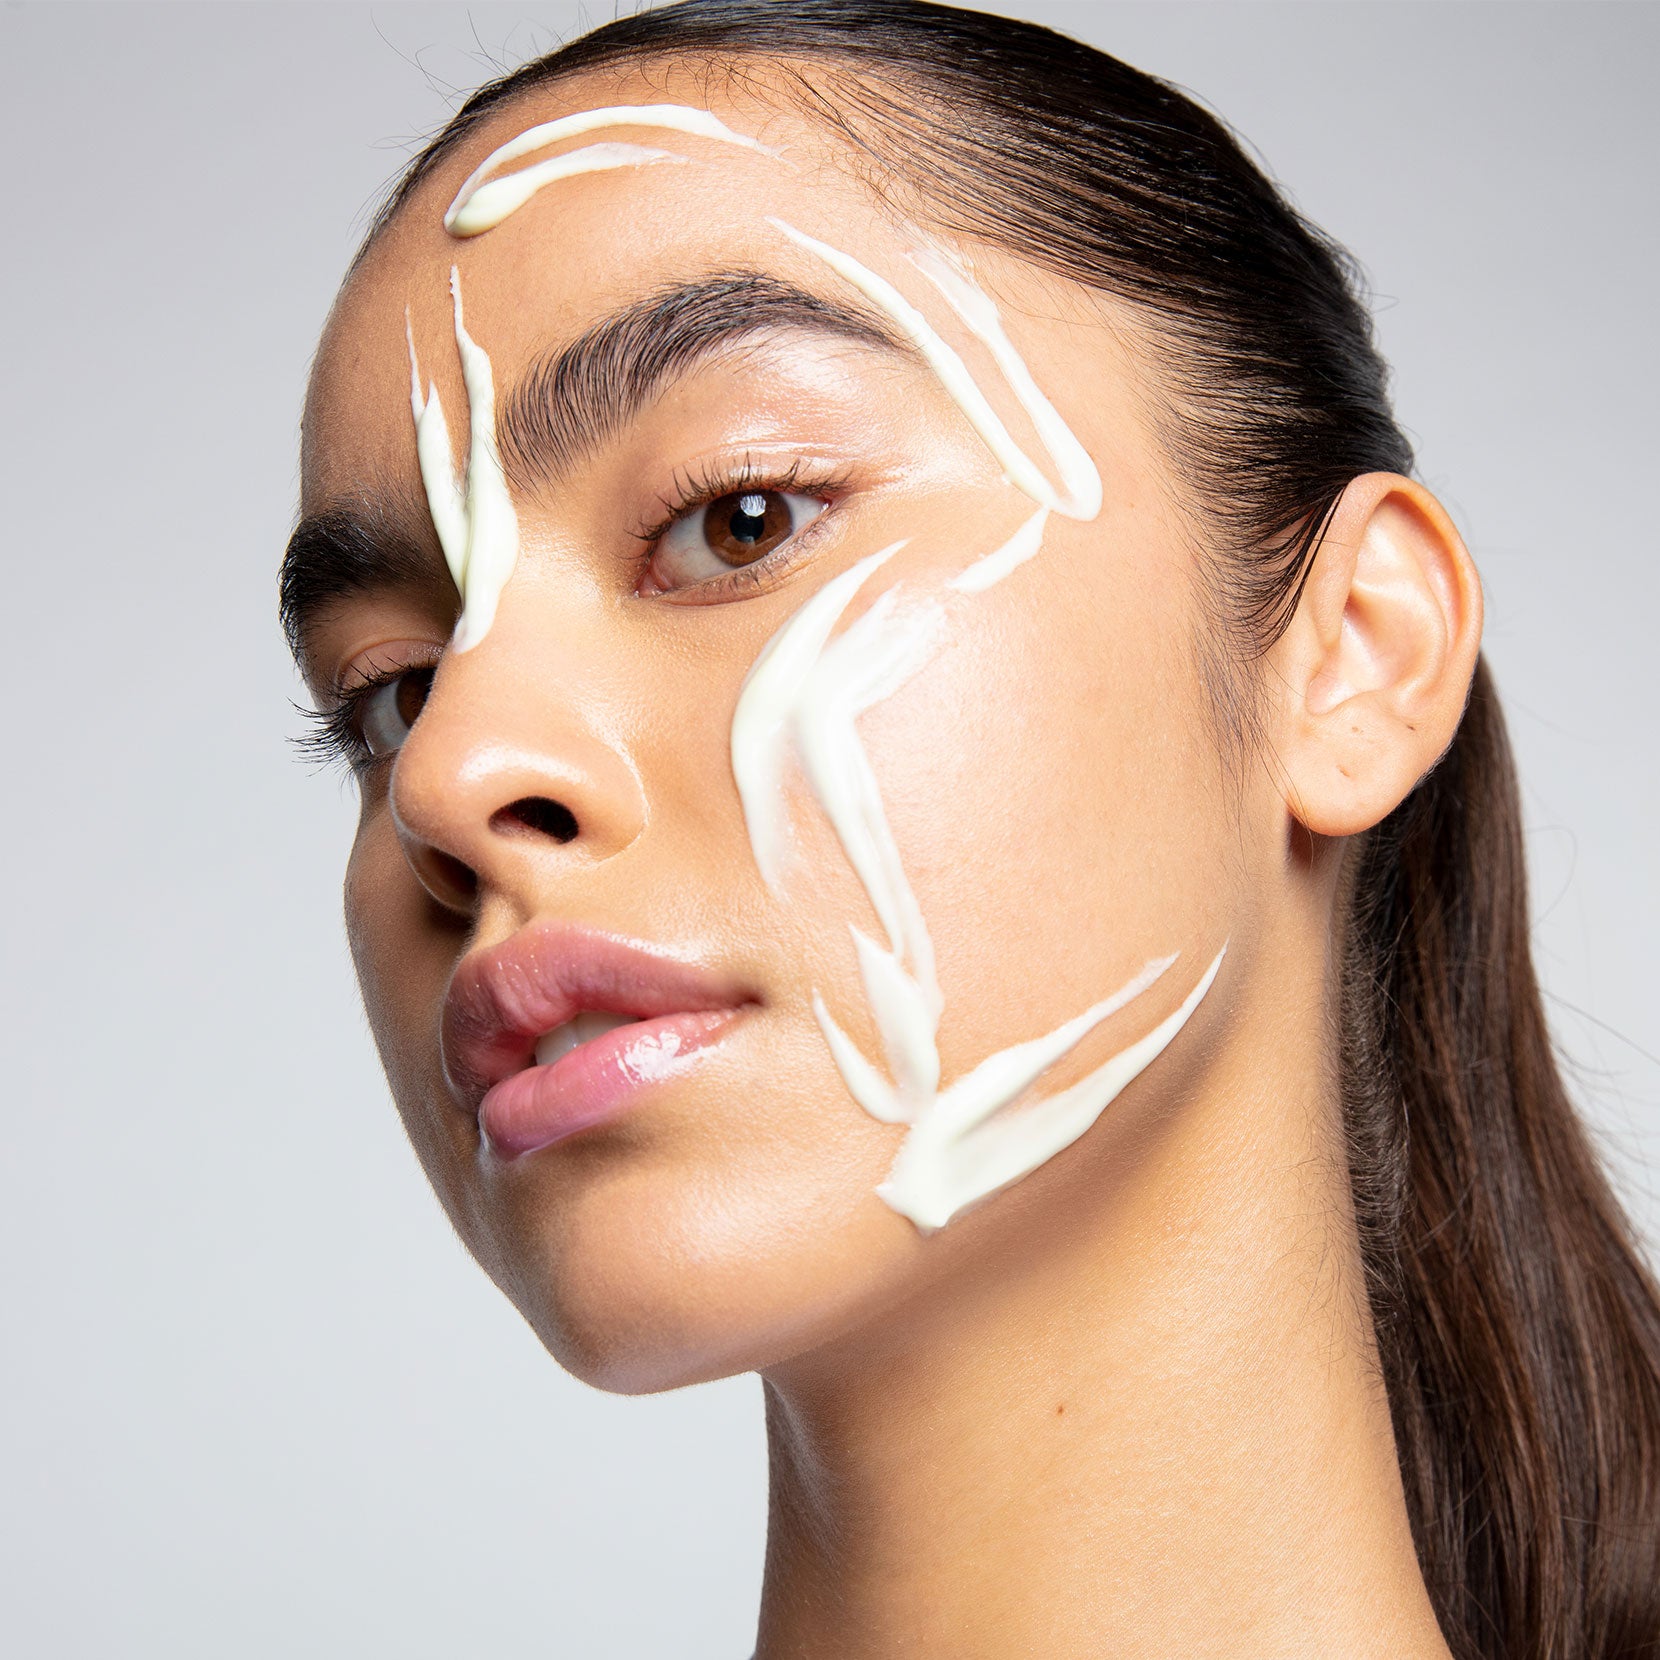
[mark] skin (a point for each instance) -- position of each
(1129, 1405)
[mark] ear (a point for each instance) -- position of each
(1376, 664)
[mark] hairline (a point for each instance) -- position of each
(786, 89)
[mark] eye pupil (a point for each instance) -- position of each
(748, 524)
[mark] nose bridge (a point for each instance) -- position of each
(518, 752)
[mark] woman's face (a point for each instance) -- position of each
(703, 424)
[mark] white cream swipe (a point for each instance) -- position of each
(1079, 476)
(993, 567)
(675, 117)
(805, 693)
(477, 527)
(766, 704)
(964, 1151)
(493, 201)
(437, 461)
(1080, 497)
(860, 667)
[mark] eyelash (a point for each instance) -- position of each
(692, 491)
(335, 740)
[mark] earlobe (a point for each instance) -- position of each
(1376, 664)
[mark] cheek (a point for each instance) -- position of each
(1053, 790)
(403, 963)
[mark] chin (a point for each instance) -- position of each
(638, 1279)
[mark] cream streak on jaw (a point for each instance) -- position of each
(803, 696)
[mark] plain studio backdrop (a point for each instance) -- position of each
(258, 1401)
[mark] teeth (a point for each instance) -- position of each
(563, 1039)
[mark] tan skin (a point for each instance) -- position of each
(1128, 1406)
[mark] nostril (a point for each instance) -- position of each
(459, 879)
(536, 812)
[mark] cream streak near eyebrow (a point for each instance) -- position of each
(1020, 470)
(1079, 476)
(432, 449)
(806, 690)
(477, 527)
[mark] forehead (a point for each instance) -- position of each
(579, 249)
(586, 247)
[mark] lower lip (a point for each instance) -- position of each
(597, 1081)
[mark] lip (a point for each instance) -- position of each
(503, 998)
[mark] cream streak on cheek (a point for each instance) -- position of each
(806, 692)
(804, 695)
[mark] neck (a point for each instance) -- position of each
(1162, 1432)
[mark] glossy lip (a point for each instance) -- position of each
(505, 997)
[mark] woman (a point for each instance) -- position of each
(933, 827)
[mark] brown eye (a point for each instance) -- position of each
(740, 528)
(391, 709)
(728, 533)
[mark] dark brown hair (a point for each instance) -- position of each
(1518, 1327)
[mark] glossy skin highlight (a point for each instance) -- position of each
(1054, 781)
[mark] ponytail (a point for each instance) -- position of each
(1518, 1327)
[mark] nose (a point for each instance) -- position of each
(508, 775)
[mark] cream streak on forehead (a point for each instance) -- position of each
(478, 207)
(489, 204)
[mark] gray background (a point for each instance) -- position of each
(258, 1403)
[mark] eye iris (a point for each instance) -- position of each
(387, 713)
(411, 694)
(744, 526)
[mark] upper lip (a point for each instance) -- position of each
(504, 997)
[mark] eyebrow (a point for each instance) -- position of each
(570, 400)
(351, 548)
(579, 396)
